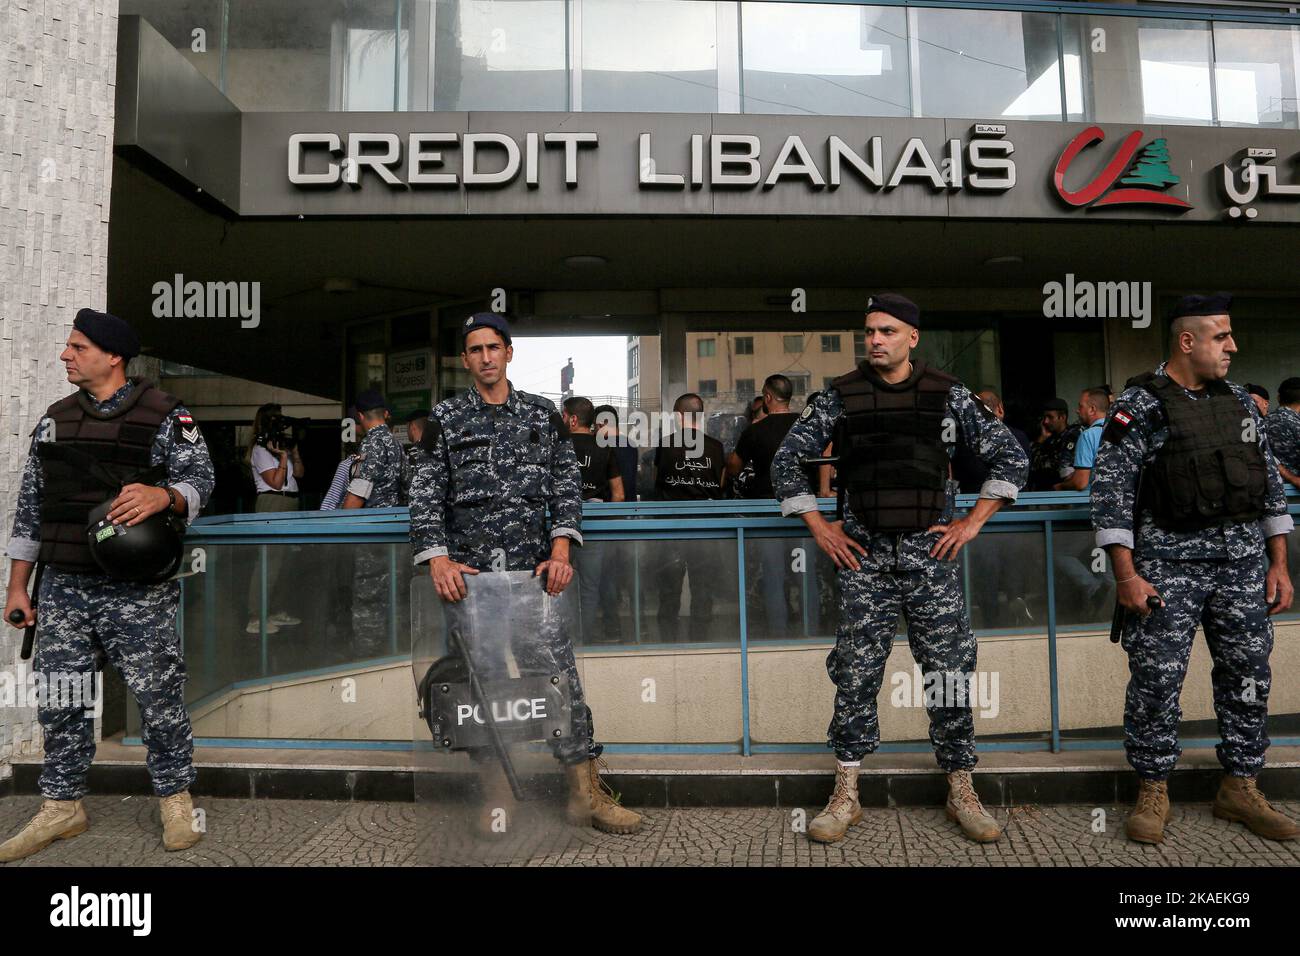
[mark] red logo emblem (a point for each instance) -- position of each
(1148, 174)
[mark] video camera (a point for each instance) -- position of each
(281, 430)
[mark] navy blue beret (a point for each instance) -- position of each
(900, 307)
(1217, 304)
(108, 332)
(485, 320)
(369, 400)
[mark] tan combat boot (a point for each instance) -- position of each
(56, 820)
(497, 814)
(179, 831)
(965, 809)
(1239, 800)
(842, 810)
(1146, 824)
(593, 803)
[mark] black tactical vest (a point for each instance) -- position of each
(1206, 473)
(92, 456)
(893, 467)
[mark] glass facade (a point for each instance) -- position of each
(753, 57)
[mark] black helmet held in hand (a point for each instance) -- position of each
(146, 553)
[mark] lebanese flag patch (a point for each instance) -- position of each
(1123, 419)
(185, 418)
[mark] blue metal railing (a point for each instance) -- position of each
(1041, 513)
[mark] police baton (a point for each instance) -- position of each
(457, 643)
(16, 616)
(1117, 619)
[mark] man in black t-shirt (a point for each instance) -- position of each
(756, 448)
(691, 467)
(601, 481)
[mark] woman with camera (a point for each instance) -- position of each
(276, 467)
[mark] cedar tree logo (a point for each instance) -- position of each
(1145, 175)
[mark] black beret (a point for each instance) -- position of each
(108, 332)
(369, 400)
(1056, 405)
(416, 415)
(900, 307)
(1217, 304)
(1259, 390)
(485, 320)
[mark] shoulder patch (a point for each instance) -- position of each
(1117, 427)
(807, 411)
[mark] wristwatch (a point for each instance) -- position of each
(171, 498)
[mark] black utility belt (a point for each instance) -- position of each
(283, 494)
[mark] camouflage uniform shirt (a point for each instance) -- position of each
(486, 478)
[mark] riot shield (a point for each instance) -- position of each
(496, 684)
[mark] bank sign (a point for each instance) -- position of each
(593, 164)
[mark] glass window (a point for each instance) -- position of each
(706, 347)
(793, 344)
(193, 27)
(988, 64)
(801, 382)
(1255, 74)
(828, 380)
(825, 59)
(744, 386)
(313, 54)
(503, 55)
(650, 56)
(1145, 70)
(859, 347)
(744, 345)
(634, 396)
(830, 343)
(708, 387)
(633, 361)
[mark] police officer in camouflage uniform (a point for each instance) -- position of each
(377, 483)
(895, 425)
(1284, 431)
(146, 441)
(1187, 499)
(494, 461)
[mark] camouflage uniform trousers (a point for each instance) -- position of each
(370, 601)
(135, 625)
(939, 634)
(544, 652)
(1227, 597)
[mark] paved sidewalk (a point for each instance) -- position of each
(125, 832)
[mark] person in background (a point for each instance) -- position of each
(276, 471)
(1284, 431)
(1052, 457)
(755, 449)
(601, 481)
(690, 468)
(968, 470)
(616, 578)
(1092, 409)
(415, 422)
(1259, 395)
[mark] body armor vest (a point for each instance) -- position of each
(894, 466)
(1206, 473)
(92, 456)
